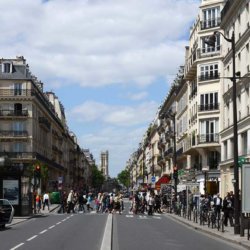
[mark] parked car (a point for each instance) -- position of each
(6, 212)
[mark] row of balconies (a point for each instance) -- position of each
(16, 92)
(9, 92)
(13, 113)
(192, 141)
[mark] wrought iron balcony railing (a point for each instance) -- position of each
(210, 23)
(19, 155)
(8, 112)
(13, 133)
(208, 138)
(15, 92)
(169, 152)
(208, 107)
(209, 77)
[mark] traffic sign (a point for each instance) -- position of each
(241, 161)
(153, 179)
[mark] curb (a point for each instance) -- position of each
(217, 235)
(25, 218)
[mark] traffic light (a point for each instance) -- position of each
(37, 172)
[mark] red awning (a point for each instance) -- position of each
(165, 179)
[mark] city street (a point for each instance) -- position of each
(56, 231)
(160, 232)
(87, 230)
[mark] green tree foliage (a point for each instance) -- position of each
(97, 178)
(123, 177)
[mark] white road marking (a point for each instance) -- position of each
(106, 241)
(143, 217)
(17, 246)
(51, 226)
(44, 231)
(31, 238)
(131, 216)
(64, 220)
(157, 217)
(58, 223)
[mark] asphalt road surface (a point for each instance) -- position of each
(145, 232)
(88, 231)
(64, 232)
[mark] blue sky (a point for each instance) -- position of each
(110, 62)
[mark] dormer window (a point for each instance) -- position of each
(7, 67)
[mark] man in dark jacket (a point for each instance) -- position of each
(228, 209)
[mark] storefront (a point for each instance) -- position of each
(15, 187)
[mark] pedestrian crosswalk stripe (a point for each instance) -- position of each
(156, 217)
(142, 217)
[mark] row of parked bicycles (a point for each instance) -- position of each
(203, 216)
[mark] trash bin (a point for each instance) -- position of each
(55, 198)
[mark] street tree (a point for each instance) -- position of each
(123, 178)
(97, 178)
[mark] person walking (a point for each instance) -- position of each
(70, 202)
(81, 203)
(217, 205)
(46, 200)
(89, 200)
(228, 209)
(38, 203)
(151, 203)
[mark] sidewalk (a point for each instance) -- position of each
(19, 219)
(227, 235)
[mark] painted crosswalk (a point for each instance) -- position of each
(143, 217)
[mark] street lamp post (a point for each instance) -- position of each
(211, 41)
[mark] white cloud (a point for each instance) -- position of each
(119, 142)
(93, 43)
(124, 116)
(96, 43)
(138, 96)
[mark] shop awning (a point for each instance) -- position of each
(165, 179)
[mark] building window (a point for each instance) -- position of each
(6, 67)
(225, 151)
(211, 18)
(244, 143)
(18, 147)
(209, 101)
(205, 48)
(18, 89)
(209, 131)
(18, 126)
(213, 159)
(209, 72)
